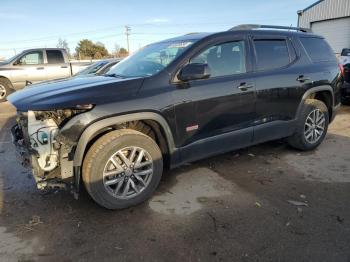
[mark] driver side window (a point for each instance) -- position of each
(31, 58)
(223, 59)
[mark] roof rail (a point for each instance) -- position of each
(256, 26)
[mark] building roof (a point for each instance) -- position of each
(323, 10)
(312, 5)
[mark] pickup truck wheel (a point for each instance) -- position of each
(312, 126)
(122, 169)
(5, 89)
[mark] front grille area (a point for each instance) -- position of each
(21, 139)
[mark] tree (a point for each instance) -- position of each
(123, 52)
(100, 48)
(62, 43)
(97, 55)
(88, 49)
(116, 50)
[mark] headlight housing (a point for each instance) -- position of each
(61, 116)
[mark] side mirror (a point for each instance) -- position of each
(17, 62)
(194, 71)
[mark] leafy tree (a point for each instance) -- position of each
(97, 55)
(123, 52)
(100, 48)
(88, 49)
(62, 43)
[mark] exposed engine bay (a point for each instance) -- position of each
(36, 138)
(42, 135)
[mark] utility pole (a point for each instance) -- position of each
(127, 33)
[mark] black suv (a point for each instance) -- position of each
(177, 101)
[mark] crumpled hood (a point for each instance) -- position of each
(67, 93)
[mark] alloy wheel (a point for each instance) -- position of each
(2, 92)
(128, 172)
(314, 126)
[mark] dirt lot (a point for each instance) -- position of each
(232, 207)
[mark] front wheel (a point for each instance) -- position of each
(312, 126)
(5, 89)
(122, 169)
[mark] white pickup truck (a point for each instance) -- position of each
(35, 65)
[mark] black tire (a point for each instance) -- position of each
(298, 139)
(99, 155)
(141, 127)
(5, 89)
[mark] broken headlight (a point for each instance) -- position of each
(61, 116)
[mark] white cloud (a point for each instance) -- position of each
(157, 20)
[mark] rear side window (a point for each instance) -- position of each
(54, 57)
(271, 53)
(345, 52)
(317, 49)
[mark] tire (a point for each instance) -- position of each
(141, 127)
(106, 157)
(301, 139)
(5, 89)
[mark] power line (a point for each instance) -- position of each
(169, 25)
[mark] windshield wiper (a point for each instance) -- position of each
(114, 75)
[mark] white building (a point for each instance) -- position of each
(329, 18)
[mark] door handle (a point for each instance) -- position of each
(245, 86)
(303, 78)
(40, 68)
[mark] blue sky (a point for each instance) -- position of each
(39, 23)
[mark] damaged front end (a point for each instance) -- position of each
(41, 146)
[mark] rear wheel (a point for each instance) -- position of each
(312, 126)
(5, 89)
(122, 169)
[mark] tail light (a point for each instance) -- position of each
(341, 67)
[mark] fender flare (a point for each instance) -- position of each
(8, 79)
(93, 129)
(311, 91)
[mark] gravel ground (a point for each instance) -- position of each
(240, 206)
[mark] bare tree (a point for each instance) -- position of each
(62, 43)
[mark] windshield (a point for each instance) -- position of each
(8, 60)
(150, 60)
(92, 69)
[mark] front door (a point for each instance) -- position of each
(217, 114)
(29, 68)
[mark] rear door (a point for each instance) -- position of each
(279, 86)
(217, 114)
(56, 66)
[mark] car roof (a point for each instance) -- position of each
(42, 49)
(187, 37)
(270, 32)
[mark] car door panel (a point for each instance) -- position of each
(56, 66)
(277, 88)
(217, 109)
(222, 107)
(29, 68)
